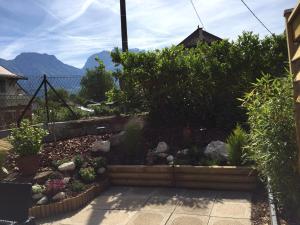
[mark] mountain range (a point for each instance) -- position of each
(34, 65)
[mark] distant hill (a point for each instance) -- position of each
(34, 65)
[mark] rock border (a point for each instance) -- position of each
(68, 204)
(206, 177)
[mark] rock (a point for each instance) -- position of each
(101, 170)
(170, 158)
(37, 196)
(185, 151)
(59, 196)
(162, 155)
(68, 166)
(41, 177)
(216, 150)
(66, 180)
(117, 139)
(3, 172)
(103, 146)
(42, 201)
(161, 147)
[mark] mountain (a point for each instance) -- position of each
(91, 63)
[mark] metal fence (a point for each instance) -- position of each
(22, 99)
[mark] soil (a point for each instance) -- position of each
(260, 213)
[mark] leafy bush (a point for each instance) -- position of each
(235, 144)
(99, 162)
(132, 142)
(87, 174)
(78, 160)
(77, 186)
(27, 139)
(36, 189)
(272, 137)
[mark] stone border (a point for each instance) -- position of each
(207, 177)
(68, 204)
(272, 207)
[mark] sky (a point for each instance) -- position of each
(72, 30)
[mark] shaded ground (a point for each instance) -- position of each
(161, 206)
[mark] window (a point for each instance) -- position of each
(2, 86)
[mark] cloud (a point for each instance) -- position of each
(72, 30)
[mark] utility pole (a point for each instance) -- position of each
(123, 26)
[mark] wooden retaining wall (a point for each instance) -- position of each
(207, 177)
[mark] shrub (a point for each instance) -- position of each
(99, 162)
(36, 189)
(78, 160)
(132, 142)
(54, 186)
(77, 186)
(235, 144)
(272, 137)
(27, 139)
(87, 174)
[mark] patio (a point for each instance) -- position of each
(161, 206)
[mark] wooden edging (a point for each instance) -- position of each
(208, 177)
(69, 204)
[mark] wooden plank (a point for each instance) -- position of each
(140, 182)
(217, 186)
(216, 178)
(214, 170)
(296, 28)
(139, 169)
(142, 176)
(296, 56)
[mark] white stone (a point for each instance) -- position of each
(101, 170)
(103, 146)
(162, 147)
(42, 201)
(170, 158)
(67, 180)
(59, 196)
(4, 171)
(185, 151)
(37, 196)
(68, 166)
(216, 150)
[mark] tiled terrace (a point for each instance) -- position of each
(161, 206)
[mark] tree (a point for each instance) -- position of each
(95, 83)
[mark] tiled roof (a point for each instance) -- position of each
(7, 74)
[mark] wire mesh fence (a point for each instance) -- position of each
(41, 103)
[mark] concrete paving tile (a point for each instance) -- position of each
(122, 203)
(116, 191)
(196, 193)
(232, 210)
(184, 219)
(149, 218)
(228, 221)
(141, 191)
(197, 206)
(233, 196)
(167, 192)
(161, 203)
(97, 217)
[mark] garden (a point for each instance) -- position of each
(223, 110)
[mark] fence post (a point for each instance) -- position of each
(46, 100)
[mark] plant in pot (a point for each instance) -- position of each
(27, 142)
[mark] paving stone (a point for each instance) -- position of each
(228, 221)
(99, 217)
(116, 191)
(138, 191)
(196, 193)
(167, 192)
(123, 202)
(160, 203)
(198, 206)
(149, 218)
(232, 210)
(233, 196)
(184, 219)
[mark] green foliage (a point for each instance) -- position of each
(36, 189)
(272, 142)
(105, 110)
(78, 160)
(132, 143)
(77, 186)
(235, 144)
(27, 139)
(96, 83)
(199, 85)
(87, 174)
(99, 162)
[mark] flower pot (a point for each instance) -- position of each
(28, 165)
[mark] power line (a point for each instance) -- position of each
(197, 13)
(256, 17)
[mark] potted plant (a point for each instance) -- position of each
(27, 142)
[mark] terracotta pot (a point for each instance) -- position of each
(28, 165)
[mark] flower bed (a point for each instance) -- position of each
(208, 177)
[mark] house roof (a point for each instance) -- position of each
(199, 35)
(7, 74)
